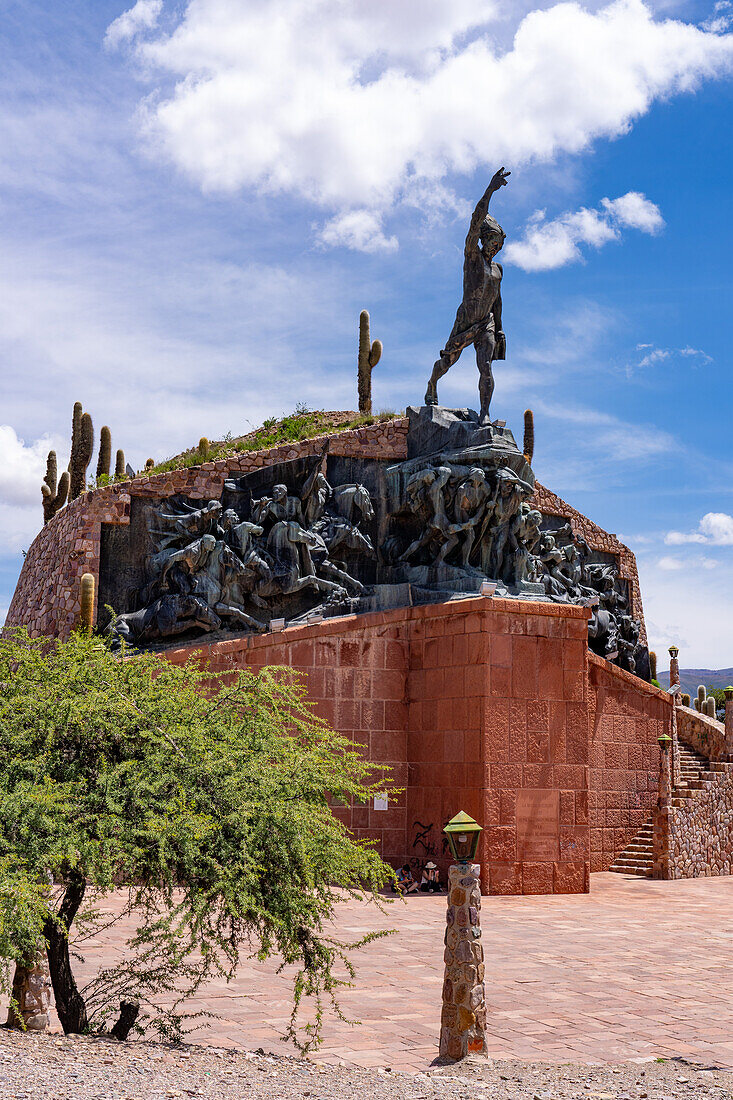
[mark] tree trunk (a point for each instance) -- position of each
(32, 996)
(126, 1022)
(70, 1006)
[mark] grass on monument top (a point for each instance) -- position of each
(302, 423)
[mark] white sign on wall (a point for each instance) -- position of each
(381, 802)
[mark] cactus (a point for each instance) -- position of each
(120, 464)
(203, 449)
(86, 616)
(369, 356)
(54, 495)
(82, 446)
(528, 449)
(105, 453)
(685, 699)
(700, 700)
(710, 708)
(653, 664)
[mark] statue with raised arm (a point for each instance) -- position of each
(478, 320)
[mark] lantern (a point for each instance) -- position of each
(673, 651)
(463, 833)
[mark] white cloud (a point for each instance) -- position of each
(692, 609)
(653, 355)
(142, 17)
(634, 211)
(358, 229)
(547, 245)
(348, 105)
(670, 565)
(617, 439)
(721, 18)
(715, 529)
(673, 565)
(22, 468)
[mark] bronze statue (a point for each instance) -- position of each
(478, 320)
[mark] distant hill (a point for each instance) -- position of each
(691, 677)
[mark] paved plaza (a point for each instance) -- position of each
(635, 969)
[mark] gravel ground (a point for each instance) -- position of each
(36, 1067)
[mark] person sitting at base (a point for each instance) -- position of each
(405, 882)
(430, 882)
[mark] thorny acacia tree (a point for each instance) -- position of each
(206, 795)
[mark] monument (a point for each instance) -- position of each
(362, 558)
(331, 535)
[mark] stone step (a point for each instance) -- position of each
(632, 857)
(631, 869)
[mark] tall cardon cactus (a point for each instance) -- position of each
(82, 446)
(369, 356)
(53, 491)
(104, 460)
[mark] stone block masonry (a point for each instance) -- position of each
(625, 717)
(693, 830)
(491, 706)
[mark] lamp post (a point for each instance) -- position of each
(674, 665)
(463, 1019)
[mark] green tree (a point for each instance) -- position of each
(206, 795)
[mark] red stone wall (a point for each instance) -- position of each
(625, 718)
(490, 706)
(357, 671)
(496, 699)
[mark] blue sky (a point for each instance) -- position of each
(197, 198)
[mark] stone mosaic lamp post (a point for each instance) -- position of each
(463, 1019)
(729, 722)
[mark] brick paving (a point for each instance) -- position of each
(636, 969)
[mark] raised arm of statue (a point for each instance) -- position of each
(499, 179)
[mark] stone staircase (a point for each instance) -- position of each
(696, 774)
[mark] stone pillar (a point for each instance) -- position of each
(661, 812)
(665, 771)
(674, 747)
(32, 994)
(463, 1020)
(674, 666)
(729, 722)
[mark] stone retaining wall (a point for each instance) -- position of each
(704, 734)
(693, 831)
(695, 839)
